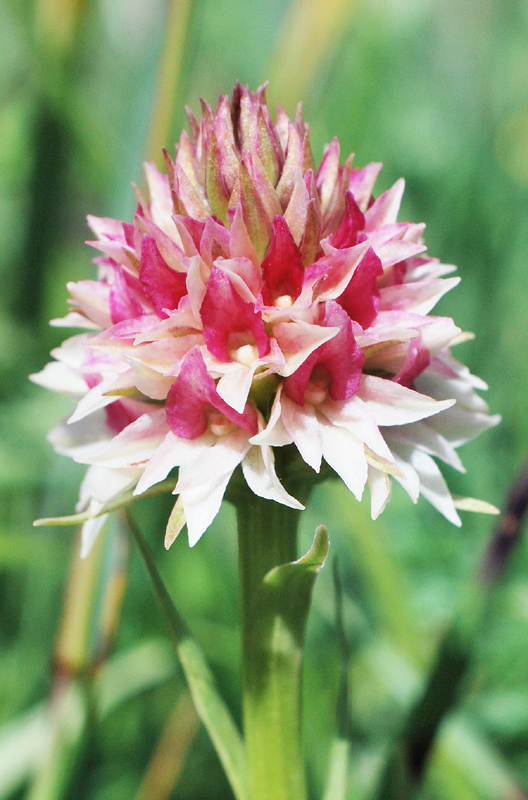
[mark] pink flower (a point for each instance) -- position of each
(257, 303)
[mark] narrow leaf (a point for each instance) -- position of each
(123, 500)
(208, 703)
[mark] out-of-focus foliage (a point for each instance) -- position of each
(438, 92)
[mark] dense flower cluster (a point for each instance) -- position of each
(254, 303)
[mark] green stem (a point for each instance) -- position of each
(271, 655)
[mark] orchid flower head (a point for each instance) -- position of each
(257, 303)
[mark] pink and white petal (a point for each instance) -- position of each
(345, 453)
(380, 490)
(343, 264)
(100, 485)
(93, 298)
(234, 385)
(72, 351)
(135, 329)
(438, 334)
(168, 247)
(161, 205)
(297, 340)
(202, 482)
(197, 276)
(259, 471)
(361, 183)
(98, 398)
(119, 252)
(180, 321)
(384, 210)
(215, 238)
(397, 232)
(135, 444)
(214, 464)
(172, 452)
(357, 417)
(427, 269)
(302, 424)
(81, 439)
(106, 227)
(458, 425)
(200, 509)
(59, 378)
(462, 371)
(297, 208)
(74, 319)
(433, 487)
(393, 404)
(392, 252)
(418, 298)
(240, 244)
(421, 435)
(165, 355)
(440, 386)
(274, 434)
(408, 477)
(148, 381)
(244, 276)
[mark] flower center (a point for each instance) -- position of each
(317, 387)
(314, 394)
(284, 301)
(219, 425)
(246, 354)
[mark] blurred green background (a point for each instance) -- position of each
(438, 91)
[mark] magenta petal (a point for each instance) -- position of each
(295, 385)
(129, 232)
(229, 321)
(120, 414)
(339, 361)
(361, 298)
(418, 359)
(194, 228)
(192, 397)
(282, 269)
(123, 306)
(352, 223)
(162, 285)
(342, 355)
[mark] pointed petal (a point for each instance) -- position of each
(163, 286)
(433, 487)
(172, 452)
(135, 444)
(393, 404)
(384, 210)
(361, 183)
(259, 472)
(282, 269)
(418, 298)
(380, 491)
(345, 453)
(303, 426)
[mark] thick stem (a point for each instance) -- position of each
(271, 656)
